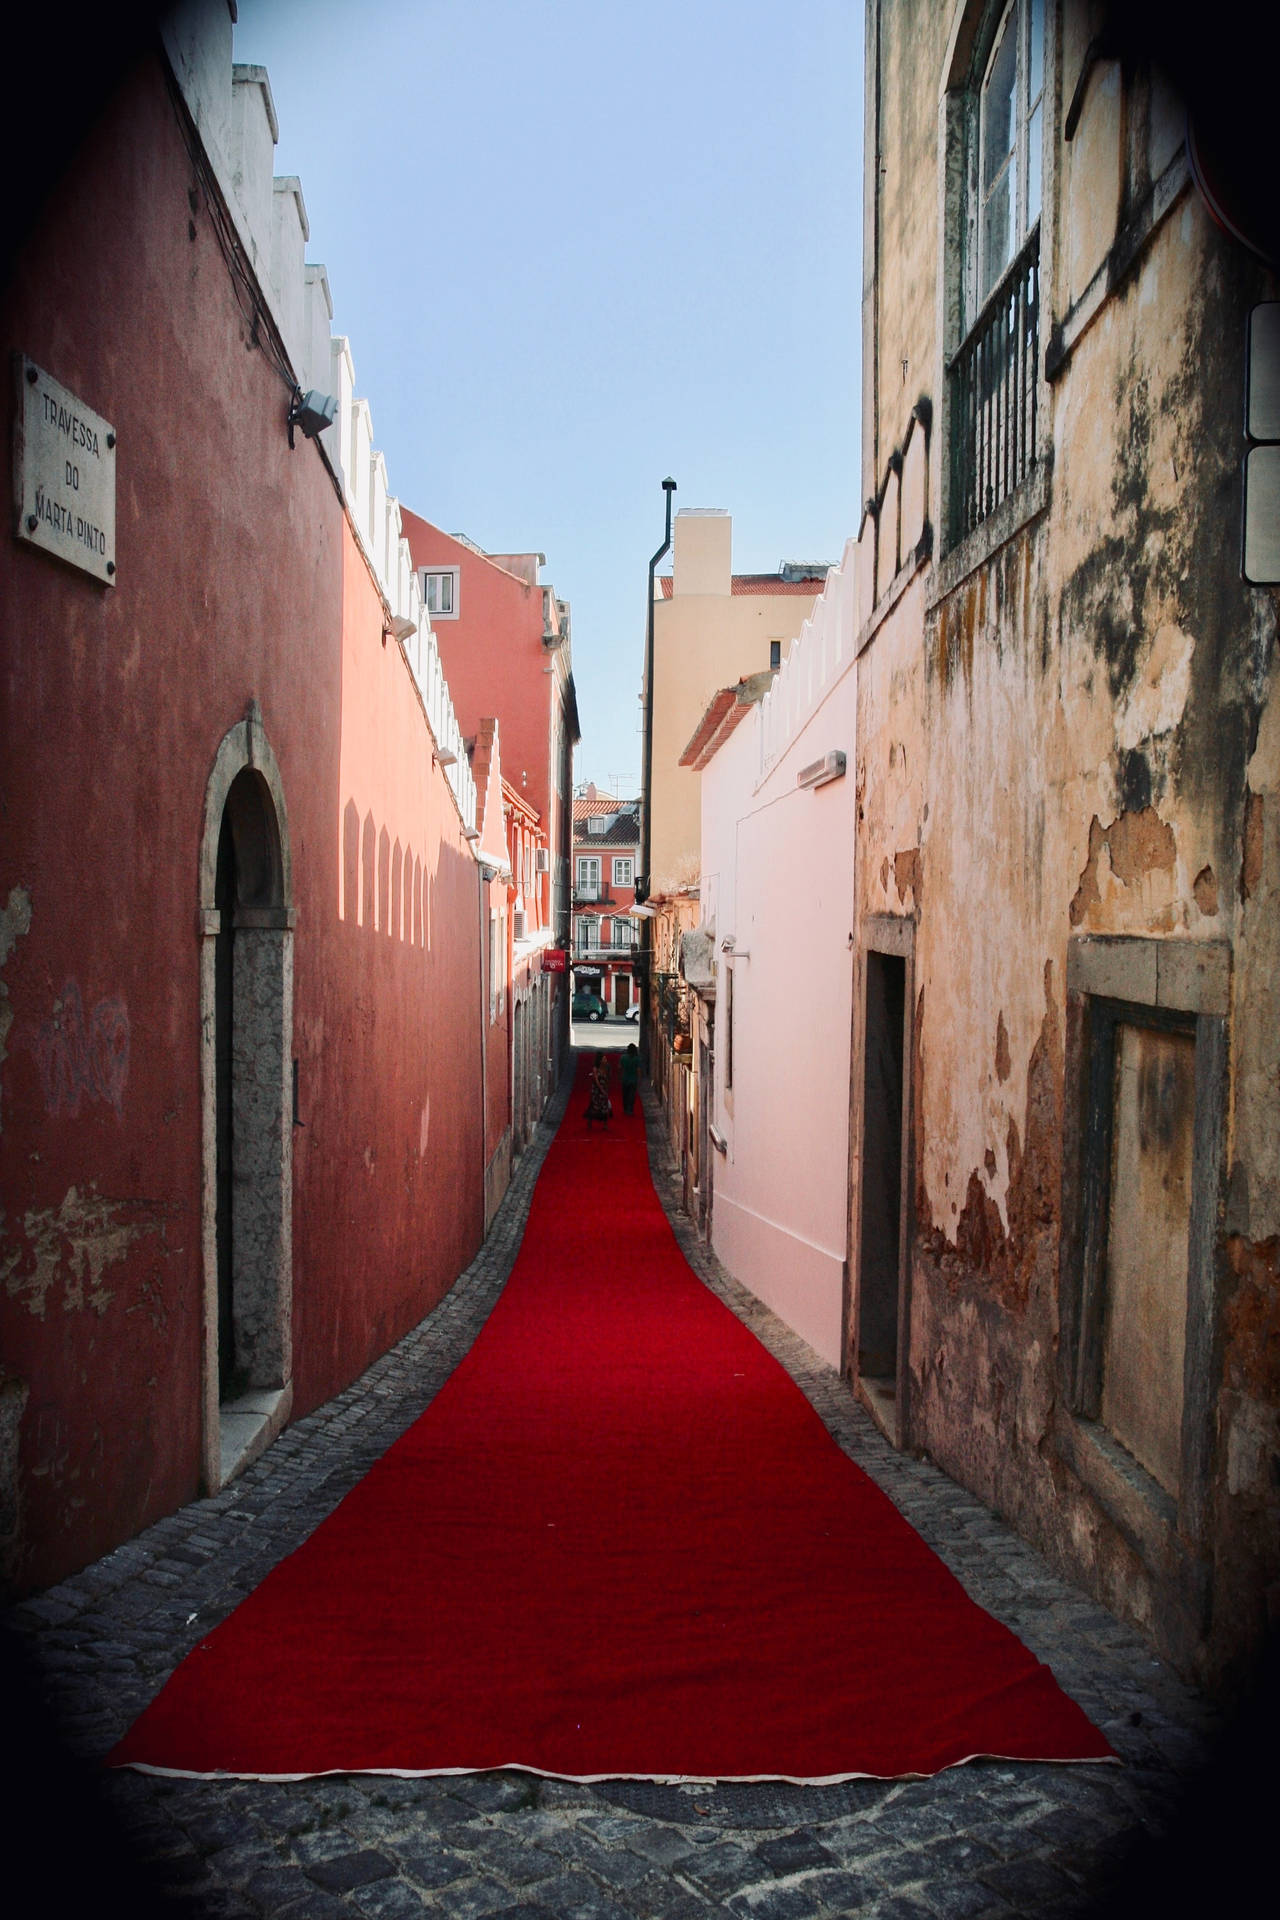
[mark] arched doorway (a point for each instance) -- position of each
(247, 1030)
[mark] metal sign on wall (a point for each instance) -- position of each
(64, 474)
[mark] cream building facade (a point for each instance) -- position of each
(710, 626)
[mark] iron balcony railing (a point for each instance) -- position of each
(994, 387)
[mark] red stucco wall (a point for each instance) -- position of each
(495, 641)
(238, 579)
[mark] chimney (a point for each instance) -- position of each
(703, 551)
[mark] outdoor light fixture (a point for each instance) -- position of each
(311, 413)
(819, 772)
(400, 626)
(732, 951)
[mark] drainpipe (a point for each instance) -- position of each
(668, 487)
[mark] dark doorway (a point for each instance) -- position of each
(880, 1248)
(229, 1383)
(252, 1091)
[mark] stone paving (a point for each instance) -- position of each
(988, 1839)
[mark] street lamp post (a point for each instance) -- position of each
(646, 850)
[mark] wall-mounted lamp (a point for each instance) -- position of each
(400, 626)
(819, 772)
(311, 413)
(732, 951)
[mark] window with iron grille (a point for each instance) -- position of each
(993, 374)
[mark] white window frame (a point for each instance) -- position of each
(587, 927)
(625, 878)
(454, 576)
(586, 861)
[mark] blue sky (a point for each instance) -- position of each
(577, 247)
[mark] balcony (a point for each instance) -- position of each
(605, 949)
(994, 385)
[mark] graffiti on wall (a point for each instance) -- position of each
(83, 1057)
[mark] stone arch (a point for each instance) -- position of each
(246, 1007)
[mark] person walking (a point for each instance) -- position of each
(599, 1105)
(630, 1069)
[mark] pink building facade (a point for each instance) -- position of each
(606, 851)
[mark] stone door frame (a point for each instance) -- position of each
(235, 1433)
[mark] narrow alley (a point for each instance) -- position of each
(989, 1838)
(845, 1477)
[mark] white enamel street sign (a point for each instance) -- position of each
(64, 474)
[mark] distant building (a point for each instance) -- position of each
(606, 851)
(505, 647)
(711, 628)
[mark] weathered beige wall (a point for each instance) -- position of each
(1080, 737)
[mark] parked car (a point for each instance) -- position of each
(633, 1012)
(588, 1006)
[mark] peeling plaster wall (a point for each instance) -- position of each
(1078, 735)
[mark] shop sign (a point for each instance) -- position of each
(553, 959)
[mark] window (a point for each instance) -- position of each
(598, 823)
(624, 933)
(588, 926)
(440, 592)
(997, 129)
(622, 872)
(1010, 137)
(588, 877)
(1143, 1186)
(775, 654)
(497, 963)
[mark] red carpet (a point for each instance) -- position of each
(619, 1542)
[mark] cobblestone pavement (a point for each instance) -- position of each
(990, 1838)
